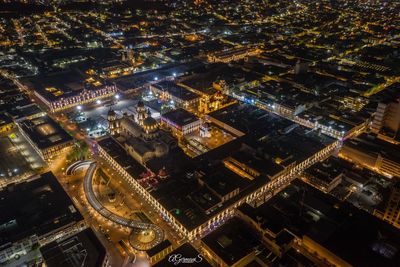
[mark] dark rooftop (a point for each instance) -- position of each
(370, 144)
(45, 132)
(160, 247)
(354, 235)
(232, 241)
(37, 206)
(180, 117)
(251, 120)
(118, 153)
(64, 84)
(176, 90)
(277, 140)
(82, 249)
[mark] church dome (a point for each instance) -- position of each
(149, 122)
(111, 115)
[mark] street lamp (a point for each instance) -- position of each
(79, 107)
(98, 102)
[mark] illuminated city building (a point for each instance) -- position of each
(373, 153)
(324, 175)
(231, 244)
(260, 195)
(113, 122)
(113, 69)
(240, 133)
(169, 91)
(233, 55)
(221, 204)
(214, 102)
(140, 134)
(46, 137)
(128, 56)
(67, 90)
(205, 130)
(86, 96)
(386, 122)
(391, 210)
(181, 122)
(160, 251)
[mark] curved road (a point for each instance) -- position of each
(135, 224)
(80, 164)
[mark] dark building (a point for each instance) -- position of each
(82, 249)
(317, 224)
(35, 212)
(233, 244)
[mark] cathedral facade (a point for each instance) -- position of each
(140, 134)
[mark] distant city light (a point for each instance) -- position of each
(98, 102)
(174, 74)
(117, 96)
(156, 78)
(79, 107)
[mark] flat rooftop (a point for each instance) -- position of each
(25, 111)
(59, 85)
(276, 138)
(45, 132)
(326, 170)
(118, 153)
(204, 78)
(183, 197)
(13, 162)
(354, 235)
(221, 169)
(225, 169)
(370, 144)
(176, 90)
(232, 241)
(251, 120)
(158, 248)
(180, 117)
(81, 249)
(37, 206)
